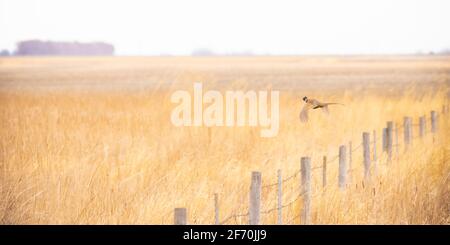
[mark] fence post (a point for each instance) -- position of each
(342, 166)
(180, 216)
(255, 198)
(407, 130)
(433, 121)
(306, 189)
(374, 152)
(350, 169)
(396, 140)
(422, 126)
(324, 172)
(411, 128)
(384, 139)
(279, 206)
(216, 208)
(390, 127)
(366, 155)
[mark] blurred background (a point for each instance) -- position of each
(239, 28)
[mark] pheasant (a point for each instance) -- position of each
(313, 104)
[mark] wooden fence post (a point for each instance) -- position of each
(375, 152)
(306, 189)
(407, 130)
(279, 204)
(255, 198)
(433, 121)
(180, 216)
(342, 167)
(324, 172)
(384, 139)
(411, 128)
(390, 127)
(216, 208)
(396, 140)
(350, 169)
(422, 126)
(366, 155)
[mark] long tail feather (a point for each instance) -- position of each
(333, 103)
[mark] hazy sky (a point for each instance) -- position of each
(264, 27)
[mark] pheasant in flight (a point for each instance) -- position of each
(313, 104)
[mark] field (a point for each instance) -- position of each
(89, 140)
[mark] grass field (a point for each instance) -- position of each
(89, 140)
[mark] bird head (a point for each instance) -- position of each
(305, 99)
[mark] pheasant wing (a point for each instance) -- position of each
(325, 109)
(304, 113)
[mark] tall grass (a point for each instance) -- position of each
(99, 156)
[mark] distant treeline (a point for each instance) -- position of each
(207, 52)
(37, 47)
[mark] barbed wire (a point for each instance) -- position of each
(285, 205)
(269, 185)
(314, 168)
(288, 178)
(283, 180)
(334, 158)
(356, 148)
(298, 215)
(294, 218)
(299, 171)
(233, 216)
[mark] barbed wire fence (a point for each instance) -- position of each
(371, 158)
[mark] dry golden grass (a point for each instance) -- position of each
(89, 140)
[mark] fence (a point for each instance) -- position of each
(390, 136)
